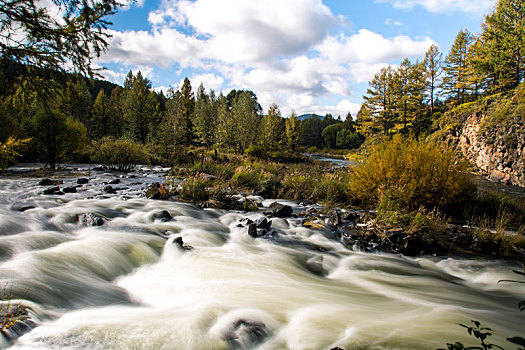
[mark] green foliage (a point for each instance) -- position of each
(10, 313)
(194, 189)
(348, 139)
(249, 178)
(413, 172)
(480, 333)
(10, 149)
(120, 154)
(33, 34)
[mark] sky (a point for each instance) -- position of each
(310, 56)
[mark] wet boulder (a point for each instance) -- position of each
(246, 334)
(315, 265)
(53, 190)
(333, 218)
(252, 230)
(46, 182)
(180, 243)
(114, 182)
(263, 223)
(109, 189)
(163, 216)
(70, 189)
(280, 210)
(82, 181)
(90, 219)
(18, 206)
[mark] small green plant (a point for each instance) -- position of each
(481, 333)
(10, 313)
(194, 189)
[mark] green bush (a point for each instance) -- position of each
(411, 173)
(120, 154)
(194, 189)
(249, 178)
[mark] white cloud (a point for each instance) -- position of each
(440, 6)
(367, 46)
(392, 22)
(211, 81)
(249, 31)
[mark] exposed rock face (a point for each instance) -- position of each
(498, 152)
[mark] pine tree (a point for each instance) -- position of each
(292, 132)
(433, 63)
(378, 110)
(456, 70)
(205, 117)
(272, 127)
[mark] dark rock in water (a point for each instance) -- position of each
(315, 265)
(70, 189)
(109, 189)
(246, 334)
(98, 168)
(162, 216)
(153, 191)
(22, 206)
(333, 218)
(114, 182)
(252, 230)
(53, 190)
(246, 221)
(46, 182)
(90, 219)
(82, 181)
(178, 241)
(263, 223)
(280, 210)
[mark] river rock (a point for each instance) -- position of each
(53, 190)
(114, 182)
(162, 216)
(280, 210)
(263, 223)
(22, 206)
(46, 182)
(109, 189)
(315, 265)
(179, 242)
(252, 230)
(70, 189)
(333, 218)
(90, 219)
(246, 334)
(82, 181)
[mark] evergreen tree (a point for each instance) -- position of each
(378, 113)
(503, 43)
(292, 132)
(433, 63)
(456, 70)
(205, 117)
(183, 106)
(272, 127)
(139, 107)
(246, 121)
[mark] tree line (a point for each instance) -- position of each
(73, 112)
(406, 99)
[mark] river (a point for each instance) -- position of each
(126, 285)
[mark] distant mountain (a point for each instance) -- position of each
(309, 116)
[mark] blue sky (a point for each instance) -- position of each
(313, 56)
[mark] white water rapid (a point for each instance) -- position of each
(127, 285)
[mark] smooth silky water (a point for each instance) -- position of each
(126, 285)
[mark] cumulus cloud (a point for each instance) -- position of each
(367, 46)
(249, 31)
(441, 6)
(282, 50)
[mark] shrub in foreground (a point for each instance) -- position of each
(410, 174)
(120, 154)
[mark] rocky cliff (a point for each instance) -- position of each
(497, 149)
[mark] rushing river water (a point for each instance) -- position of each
(126, 285)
